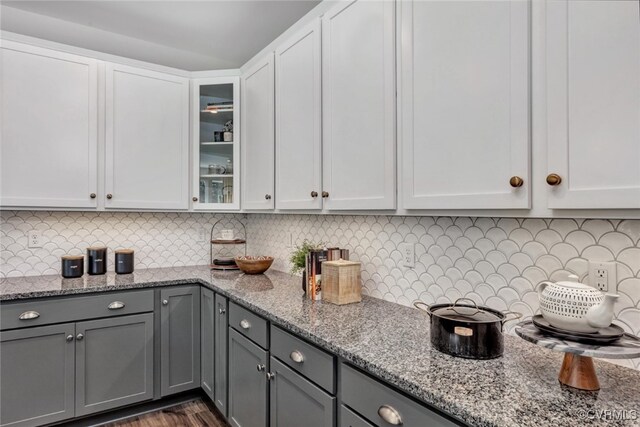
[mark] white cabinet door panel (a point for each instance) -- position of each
(298, 121)
(147, 139)
(358, 77)
(258, 149)
(465, 104)
(49, 128)
(593, 103)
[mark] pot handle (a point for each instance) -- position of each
(541, 286)
(515, 315)
(418, 304)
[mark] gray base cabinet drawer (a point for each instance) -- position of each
(297, 402)
(114, 363)
(37, 375)
(249, 324)
(45, 312)
(383, 406)
(313, 363)
(348, 418)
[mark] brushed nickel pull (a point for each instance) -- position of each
(109, 196)
(516, 181)
(79, 337)
(270, 376)
(260, 367)
(554, 179)
(116, 305)
(390, 415)
(69, 338)
(314, 194)
(267, 196)
(296, 356)
(244, 324)
(222, 311)
(92, 195)
(165, 302)
(28, 315)
(325, 194)
(195, 199)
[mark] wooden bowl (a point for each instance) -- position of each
(254, 264)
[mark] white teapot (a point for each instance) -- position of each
(574, 306)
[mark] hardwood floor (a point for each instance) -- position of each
(197, 413)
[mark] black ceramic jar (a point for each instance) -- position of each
(72, 266)
(124, 261)
(96, 260)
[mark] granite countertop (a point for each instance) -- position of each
(392, 342)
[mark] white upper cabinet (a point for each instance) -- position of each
(358, 77)
(298, 121)
(147, 139)
(593, 104)
(258, 136)
(49, 128)
(464, 104)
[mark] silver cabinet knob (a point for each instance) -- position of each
(244, 324)
(79, 337)
(195, 199)
(109, 196)
(28, 315)
(260, 368)
(390, 415)
(165, 302)
(296, 356)
(222, 311)
(267, 196)
(314, 194)
(93, 195)
(69, 338)
(270, 376)
(116, 305)
(325, 194)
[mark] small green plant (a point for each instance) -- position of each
(298, 258)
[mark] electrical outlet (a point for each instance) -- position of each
(202, 234)
(35, 239)
(602, 275)
(408, 254)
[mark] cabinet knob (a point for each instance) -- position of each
(260, 368)
(554, 179)
(92, 195)
(195, 199)
(222, 311)
(109, 196)
(244, 324)
(390, 415)
(296, 356)
(314, 194)
(79, 337)
(165, 302)
(69, 338)
(516, 181)
(270, 376)
(325, 194)
(267, 196)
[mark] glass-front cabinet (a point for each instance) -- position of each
(216, 142)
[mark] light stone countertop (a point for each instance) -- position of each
(392, 342)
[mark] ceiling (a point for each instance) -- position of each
(191, 35)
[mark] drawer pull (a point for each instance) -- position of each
(28, 315)
(296, 356)
(244, 324)
(390, 415)
(116, 305)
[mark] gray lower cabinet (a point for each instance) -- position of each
(248, 388)
(296, 401)
(114, 362)
(37, 375)
(180, 339)
(220, 354)
(207, 342)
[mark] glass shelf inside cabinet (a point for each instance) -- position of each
(216, 143)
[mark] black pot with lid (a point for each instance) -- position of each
(469, 331)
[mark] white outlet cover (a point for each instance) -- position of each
(610, 282)
(408, 251)
(35, 239)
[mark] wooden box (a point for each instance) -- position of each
(341, 283)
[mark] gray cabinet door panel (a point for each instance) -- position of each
(114, 362)
(221, 368)
(295, 401)
(248, 388)
(180, 335)
(207, 344)
(36, 371)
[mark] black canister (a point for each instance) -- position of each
(72, 266)
(124, 261)
(96, 260)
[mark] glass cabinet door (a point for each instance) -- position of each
(216, 130)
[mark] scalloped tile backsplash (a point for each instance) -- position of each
(494, 261)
